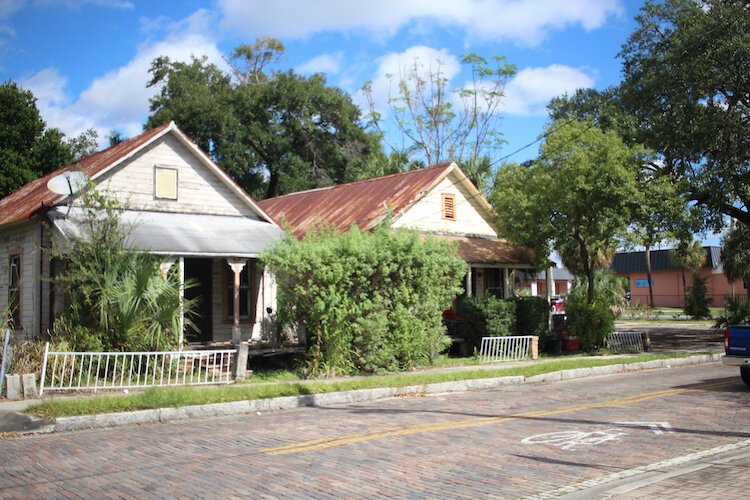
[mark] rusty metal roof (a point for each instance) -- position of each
(22, 204)
(480, 250)
(363, 203)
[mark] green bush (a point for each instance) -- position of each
(736, 312)
(370, 301)
(532, 315)
(487, 316)
(590, 323)
(696, 299)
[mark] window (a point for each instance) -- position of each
(246, 292)
(449, 207)
(165, 183)
(14, 290)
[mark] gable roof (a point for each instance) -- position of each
(363, 203)
(22, 204)
(635, 262)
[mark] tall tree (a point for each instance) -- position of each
(687, 82)
(441, 124)
(28, 149)
(274, 132)
(582, 217)
(688, 255)
(735, 254)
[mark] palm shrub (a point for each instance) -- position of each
(736, 312)
(117, 297)
(370, 301)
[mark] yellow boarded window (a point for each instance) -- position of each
(449, 207)
(165, 183)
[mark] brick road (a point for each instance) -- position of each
(501, 443)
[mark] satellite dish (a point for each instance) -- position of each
(68, 183)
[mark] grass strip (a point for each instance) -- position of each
(189, 396)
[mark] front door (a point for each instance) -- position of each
(199, 272)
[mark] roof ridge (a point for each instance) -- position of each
(371, 179)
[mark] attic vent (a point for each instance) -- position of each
(449, 207)
(165, 183)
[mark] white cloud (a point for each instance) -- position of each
(526, 22)
(9, 7)
(324, 63)
(77, 4)
(119, 98)
(529, 92)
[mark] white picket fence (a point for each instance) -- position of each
(625, 342)
(493, 349)
(92, 371)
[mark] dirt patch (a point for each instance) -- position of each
(671, 337)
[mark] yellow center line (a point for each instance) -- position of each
(324, 443)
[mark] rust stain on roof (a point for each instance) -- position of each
(22, 204)
(363, 203)
(478, 250)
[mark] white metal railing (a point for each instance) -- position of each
(504, 348)
(92, 371)
(625, 342)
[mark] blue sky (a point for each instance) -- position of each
(87, 60)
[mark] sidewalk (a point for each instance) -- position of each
(13, 420)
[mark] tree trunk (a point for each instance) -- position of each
(273, 184)
(648, 276)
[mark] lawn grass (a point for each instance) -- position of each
(189, 396)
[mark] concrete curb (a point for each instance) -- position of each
(335, 398)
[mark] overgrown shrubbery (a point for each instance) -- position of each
(696, 298)
(532, 315)
(736, 312)
(118, 299)
(370, 302)
(487, 316)
(591, 323)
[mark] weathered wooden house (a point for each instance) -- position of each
(181, 206)
(438, 200)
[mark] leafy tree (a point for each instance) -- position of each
(581, 217)
(274, 132)
(370, 301)
(735, 254)
(688, 85)
(443, 124)
(28, 149)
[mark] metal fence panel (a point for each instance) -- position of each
(625, 342)
(91, 371)
(493, 349)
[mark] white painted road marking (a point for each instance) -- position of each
(656, 427)
(568, 440)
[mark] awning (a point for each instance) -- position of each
(183, 234)
(486, 250)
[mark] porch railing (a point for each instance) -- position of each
(625, 342)
(494, 349)
(92, 371)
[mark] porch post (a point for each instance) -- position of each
(182, 300)
(534, 289)
(468, 282)
(241, 358)
(506, 288)
(550, 286)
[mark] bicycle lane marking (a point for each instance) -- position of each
(323, 443)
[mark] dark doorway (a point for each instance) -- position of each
(200, 272)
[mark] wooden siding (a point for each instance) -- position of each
(199, 190)
(427, 214)
(23, 240)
